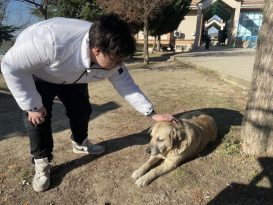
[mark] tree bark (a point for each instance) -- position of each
(153, 49)
(257, 131)
(158, 42)
(146, 42)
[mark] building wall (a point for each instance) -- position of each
(165, 39)
(187, 27)
(253, 3)
(140, 36)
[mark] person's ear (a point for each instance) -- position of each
(96, 51)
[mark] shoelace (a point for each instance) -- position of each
(43, 169)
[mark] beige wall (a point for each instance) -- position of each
(188, 25)
(140, 36)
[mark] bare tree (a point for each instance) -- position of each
(147, 8)
(6, 31)
(257, 132)
(135, 11)
(41, 6)
(3, 8)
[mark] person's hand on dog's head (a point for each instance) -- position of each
(163, 117)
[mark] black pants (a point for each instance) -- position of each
(75, 98)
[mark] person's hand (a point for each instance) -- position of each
(37, 117)
(163, 117)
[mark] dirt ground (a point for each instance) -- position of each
(220, 175)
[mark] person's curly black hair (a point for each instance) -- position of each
(113, 36)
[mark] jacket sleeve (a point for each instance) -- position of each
(126, 87)
(32, 50)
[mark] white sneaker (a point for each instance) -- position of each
(87, 148)
(41, 180)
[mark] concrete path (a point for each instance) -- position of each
(232, 64)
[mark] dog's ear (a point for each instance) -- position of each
(179, 126)
(189, 130)
(177, 135)
(150, 130)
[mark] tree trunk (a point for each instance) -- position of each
(158, 42)
(45, 13)
(145, 49)
(153, 49)
(257, 132)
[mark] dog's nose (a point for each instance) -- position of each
(148, 150)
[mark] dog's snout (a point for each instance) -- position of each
(148, 150)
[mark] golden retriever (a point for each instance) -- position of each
(175, 142)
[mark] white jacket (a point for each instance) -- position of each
(57, 51)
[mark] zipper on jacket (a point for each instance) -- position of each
(84, 72)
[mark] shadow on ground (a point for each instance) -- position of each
(111, 145)
(162, 58)
(219, 51)
(249, 193)
(225, 118)
(12, 118)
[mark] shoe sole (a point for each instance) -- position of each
(76, 151)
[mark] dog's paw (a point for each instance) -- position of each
(136, 174)
(141, 182)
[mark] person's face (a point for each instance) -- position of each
(105, 61)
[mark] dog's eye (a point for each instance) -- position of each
(160, 140)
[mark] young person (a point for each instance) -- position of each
(58, 57)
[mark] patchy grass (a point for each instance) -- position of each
(220, 175)
(230, 147)
(231, 143)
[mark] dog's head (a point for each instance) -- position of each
(165, 137)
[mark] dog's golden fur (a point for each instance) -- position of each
(174, 143)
